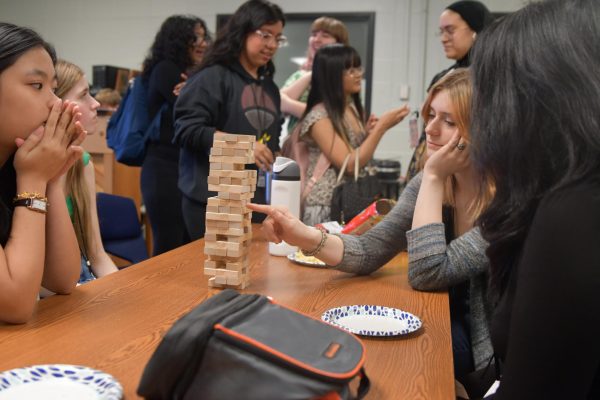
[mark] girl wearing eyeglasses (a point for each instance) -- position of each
(234, 93)
(178, 48)
(460, 23)
(334, 125)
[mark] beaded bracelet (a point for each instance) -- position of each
(316, 251)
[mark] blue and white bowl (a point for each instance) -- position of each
(372, 320)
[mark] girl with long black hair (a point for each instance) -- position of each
(234, 93)
(536, 134)
(334, 124)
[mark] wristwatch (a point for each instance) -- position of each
(37, 205)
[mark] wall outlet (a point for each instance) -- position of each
(404, 92)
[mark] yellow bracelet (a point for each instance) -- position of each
(316, 251)
(30, 195)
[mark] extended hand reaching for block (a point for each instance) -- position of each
(283, 225)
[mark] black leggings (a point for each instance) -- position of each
(162, 198)
(194, 216)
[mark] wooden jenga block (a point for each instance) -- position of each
(235, 196)
(228, 166)
(225, 231)
(240, 239)
(226, 137)
(241, 152)
(231, 159)
(241, 251)
(229, 188)
(215, 248)
(242, 174)
(231, 145)
(224, 217)
(220, 280)
(227, 180)
(237, 266)
(231, 151)
(217, 224)
(230, 137)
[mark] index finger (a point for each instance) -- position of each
(261, 208)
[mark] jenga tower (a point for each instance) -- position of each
(228, 221)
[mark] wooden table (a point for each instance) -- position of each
(115, 323)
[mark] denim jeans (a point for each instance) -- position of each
(86, 273)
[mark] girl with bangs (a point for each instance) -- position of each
(334, 125)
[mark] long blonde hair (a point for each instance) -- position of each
(460, 89)
(67, 75)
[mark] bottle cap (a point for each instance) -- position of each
(286, 169)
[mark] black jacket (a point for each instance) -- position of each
(228, 99)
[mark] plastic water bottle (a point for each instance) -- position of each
(285, 191)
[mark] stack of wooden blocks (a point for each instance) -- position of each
(228, 221)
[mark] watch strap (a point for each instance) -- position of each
(38, 205)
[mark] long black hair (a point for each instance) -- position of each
(173, 42)
(14, 42)
(231, 38)
(535, 121)
(327, 84)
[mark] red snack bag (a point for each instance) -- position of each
(369, 217)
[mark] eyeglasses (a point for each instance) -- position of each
(449, 30)
(280, 41)
(355, 72)
(201, 39)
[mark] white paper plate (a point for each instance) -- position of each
(370, 320)
(58, 381)
(301, 259)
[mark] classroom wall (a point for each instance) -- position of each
(118, 32)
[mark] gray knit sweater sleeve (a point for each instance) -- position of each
(366, 253)
(434, 265)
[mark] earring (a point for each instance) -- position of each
(474, 35)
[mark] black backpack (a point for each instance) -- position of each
(246, 346)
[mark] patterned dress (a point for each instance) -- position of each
(317, 206)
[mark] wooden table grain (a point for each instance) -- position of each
(115, 323)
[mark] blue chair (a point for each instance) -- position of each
(120, 227)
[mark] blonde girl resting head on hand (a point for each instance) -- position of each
(79, 184)
(39, 138)
(433, 221)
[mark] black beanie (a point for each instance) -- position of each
(475, 14)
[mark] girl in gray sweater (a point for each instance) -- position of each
(433, 220)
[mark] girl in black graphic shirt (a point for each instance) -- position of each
(234, 93)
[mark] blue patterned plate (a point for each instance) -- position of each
(58, 381)
(369, 320)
